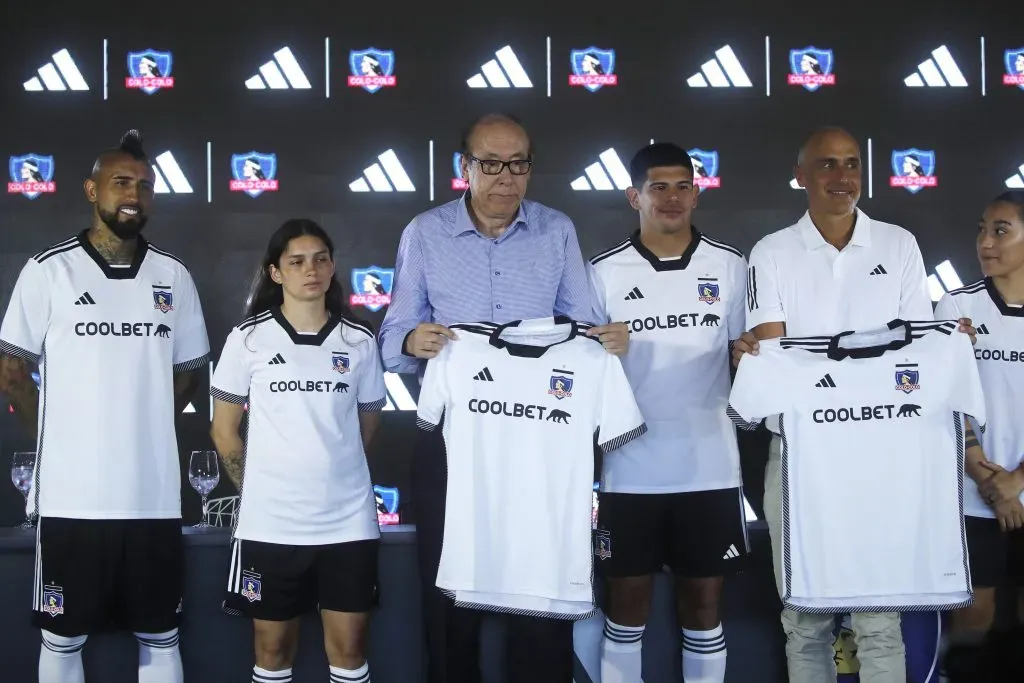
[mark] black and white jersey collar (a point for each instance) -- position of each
(671, 264)
(305, 339)
(531, 350)
(831, 346)
(997, 299)
(114, 272)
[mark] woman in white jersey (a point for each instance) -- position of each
(306, 534)
(994, 493)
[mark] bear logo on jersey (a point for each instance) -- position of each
(707, 291)
(907, 379)
(340, 387)
(251, 586)
(909, 410)
(163, 300)
(53, 600)
(163, 331)
(560, 385)
(557, 415)
(340, 362)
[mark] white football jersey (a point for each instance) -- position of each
(872, 428)
(306, 480)
(521, 404)
(1000, 356)
(108, 341)
(682, 313)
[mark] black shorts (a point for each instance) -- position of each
(275, 582)
(94, 575)
(995, 556)
(700, 534)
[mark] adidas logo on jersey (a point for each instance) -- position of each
(982, 329)
(280, 73)
(51, 73)
(879, 270)
(731, 553)
(484, 375)
(634, 294)
(826, 382)
(376, 177)
(502, 72)
(723, 71)
(85, 300)
(278, 359)
(937, 71)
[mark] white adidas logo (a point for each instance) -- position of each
(376, 177)
(399, 397)
(280, 73)
(607, 174)
(1016, 181)
(497, 73)
(931, 71)
(731, 553)
(169, 177)
(711, 71)
(946, 281)
(50, 74)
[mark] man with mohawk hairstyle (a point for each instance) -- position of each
(116, 329)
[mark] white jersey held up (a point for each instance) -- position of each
(872, 428)
(682, 313)
(108, 341)
(1000, 357)
(521, 404)
(306, 480)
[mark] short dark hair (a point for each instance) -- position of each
(130, 145)
(1014, 197)
(492, 117)
(657, 155)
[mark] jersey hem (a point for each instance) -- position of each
(286, 539)
(18, 352)
(636, 490)
(501, 609)
(834, 609)
(117, 514)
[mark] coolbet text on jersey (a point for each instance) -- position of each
(874, 422)
(520, 404)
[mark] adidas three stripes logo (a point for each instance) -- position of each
(484, 375)
(879, 270)
(826, 382)
(278, 359)
(634, 294)
(85, 300)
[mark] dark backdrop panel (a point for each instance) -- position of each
(325, 136)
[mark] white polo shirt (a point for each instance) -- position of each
(794, 276)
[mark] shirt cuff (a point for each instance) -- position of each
(394, 357)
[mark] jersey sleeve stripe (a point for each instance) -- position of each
(738, 420)
(475, 328)
(624, 244)
(42, 256)
(721, 245)
(751, 289)
(359, 326)
(255, 320)
(60, 246)
(227, 397)
(18, 352)
(425, 425)
(623, 439)
(372, 406)
(152, 247)
(194, 364)
(972, 288)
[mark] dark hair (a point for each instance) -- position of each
(1014, 197)
(493, 117)
(130, 145)
(266, 294)
(657, 155)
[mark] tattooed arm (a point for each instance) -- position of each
(17, 384)
(227, 417)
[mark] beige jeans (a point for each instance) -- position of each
(809, 639)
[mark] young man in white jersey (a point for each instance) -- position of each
(673, 497)
(117, 330)
(835, 270)
(306, 534)
(994, 496)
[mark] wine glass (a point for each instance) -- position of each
(203, 475)
(23, 465)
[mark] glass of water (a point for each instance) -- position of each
(203, 475)
(23, 465)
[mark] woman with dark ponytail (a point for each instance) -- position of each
(306, 533)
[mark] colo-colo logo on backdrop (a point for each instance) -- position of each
(31, 175)
(371, 287)
(913, 169)
(149, 71)
(458, 182)
(592, 68)
(811, 68)
(372, 69)
(1014, 60)
(705, 168)
(386, 499)
(254, 173)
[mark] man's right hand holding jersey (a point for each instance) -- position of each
(426, 340)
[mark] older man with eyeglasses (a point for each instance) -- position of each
(488, 256)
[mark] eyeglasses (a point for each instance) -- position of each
(496, 166)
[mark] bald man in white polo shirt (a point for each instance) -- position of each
(835, 270)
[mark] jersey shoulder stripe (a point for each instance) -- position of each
(358, 325)
(476, 328)
(621, 246)
(919, 329)
(254, 320)
(152, 247)
(812, 344)
(720, 245)
(972, 288)
(59, 248)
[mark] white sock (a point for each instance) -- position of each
(159, 658)
(263, 676)
(704, 656)
(360, 675)
(60, 659)
(621, 653)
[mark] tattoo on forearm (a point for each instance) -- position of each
(17, 383)
(234, 465)
(972, 442)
